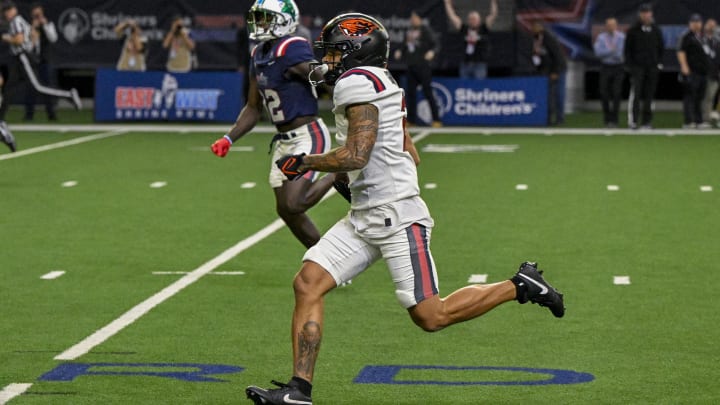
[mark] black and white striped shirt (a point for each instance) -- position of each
(18, 25)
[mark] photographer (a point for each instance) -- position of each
(180, 47)
(132, 56)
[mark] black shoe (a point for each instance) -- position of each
(532, 287)
(7, 137)
(286, 394)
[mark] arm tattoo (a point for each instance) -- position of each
(308, 347)
(362, 133)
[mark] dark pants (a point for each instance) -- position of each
(611, 79)
(644, 84)
(693, 95)
(44, 75)
(421, 74)
(556, 100)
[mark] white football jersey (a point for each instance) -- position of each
(385, 193)
(390, 174)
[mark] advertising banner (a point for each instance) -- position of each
(518, 101)
(161, 96)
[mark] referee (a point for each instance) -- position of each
(23, 66)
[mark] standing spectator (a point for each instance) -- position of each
(6, 136)
(549, 60)
(644, 49)
(476, 33)
(23, 66)
(694, 64)
(132, 56)
(180, 47)
(609, 47)
(303, 29)
(243, 47)
(418, 52)
(43, 35)
(712, 48)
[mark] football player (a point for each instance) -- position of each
(388, 219)
(279, 69)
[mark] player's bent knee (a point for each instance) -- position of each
(312, 281)
(428, 317)
(289, 208)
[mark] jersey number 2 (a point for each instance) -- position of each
(272, 103)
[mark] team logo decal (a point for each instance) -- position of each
(357, 27)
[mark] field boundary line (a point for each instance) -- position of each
(219, 128)
(62, 144)
(106, 332)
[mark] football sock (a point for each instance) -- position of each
(303, 385)
(520, 289)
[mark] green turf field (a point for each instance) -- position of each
(653, 341)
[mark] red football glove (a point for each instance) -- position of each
(289, 165)
(222, 146)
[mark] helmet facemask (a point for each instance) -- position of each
(334, 70)
(360, 40)
(272, 19)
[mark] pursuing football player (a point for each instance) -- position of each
(388, 219)
(278, 73)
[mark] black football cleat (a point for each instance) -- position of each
(286, 394)
(7, 137)
(533, 287)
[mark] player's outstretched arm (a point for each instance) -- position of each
(246, 120)
(409, 146)
(355, 154)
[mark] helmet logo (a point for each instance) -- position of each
(357, 27)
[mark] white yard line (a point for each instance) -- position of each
(142, 308)
(11, 391)
(422, 135)
(52, 275)
(63, 144)
(104, 333)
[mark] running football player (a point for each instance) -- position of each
(388, 219)
(279, 69)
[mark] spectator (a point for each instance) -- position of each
(712, 48)
(609, 47)
(43, 36)
(303, 29)
(549, 60)
(418, 51)
(23, 66)
(694, 64)
(180, 47)
(243, 47)
(6, 136)
(644, 49)
(132, 56)
(476, 33)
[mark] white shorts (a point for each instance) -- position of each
(312, 138)
(344, 254)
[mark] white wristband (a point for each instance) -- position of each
(228, 139)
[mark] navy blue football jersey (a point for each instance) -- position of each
(286, 98)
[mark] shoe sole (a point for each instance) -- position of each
(253, 396)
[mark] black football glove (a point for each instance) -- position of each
(289, 165)
(343, 189)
